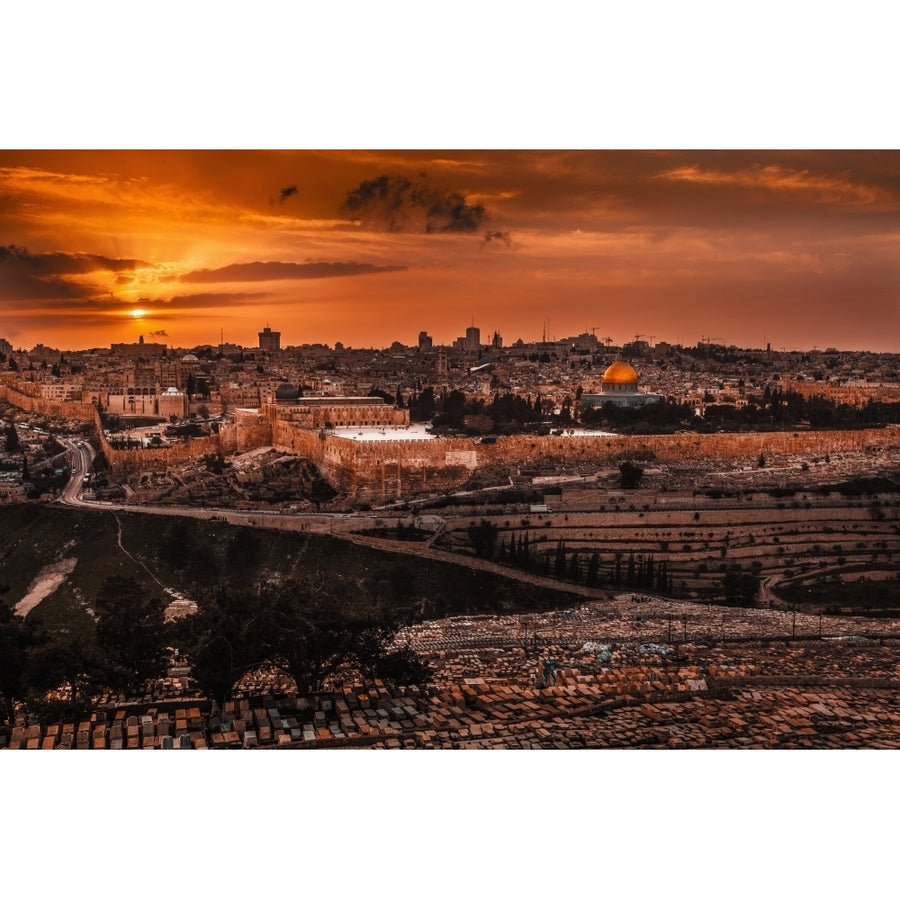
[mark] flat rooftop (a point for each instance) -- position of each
(414, 432)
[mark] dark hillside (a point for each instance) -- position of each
(188, 555)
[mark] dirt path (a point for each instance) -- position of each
(139, 562)
(44, 584)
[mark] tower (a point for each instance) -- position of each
(269, 340)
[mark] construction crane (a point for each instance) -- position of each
(704, 339)
(606, 340)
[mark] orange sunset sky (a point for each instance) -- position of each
(797, 248)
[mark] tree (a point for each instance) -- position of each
(131, 633)
(68, 664)
(592, 577)
(740, 588)
(322, 629)
(452, 410)
(484, 538)
(320, 491)
(230, 634)
(422, 410)
(312, 630)
(15, 640)
(574, 573)
(559, 563)
(631, 475)
(12, 439)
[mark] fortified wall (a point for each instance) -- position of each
(387, 470)
(384, 470)
(61, 409)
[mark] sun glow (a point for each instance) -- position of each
(138, 313)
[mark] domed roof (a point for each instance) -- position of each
(620, 373)
(287, 391)
(189, 357)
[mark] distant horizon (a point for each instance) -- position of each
(436, 346)
(191, 248)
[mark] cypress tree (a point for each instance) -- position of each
(592, 578)
(559, 565)
(574, 568)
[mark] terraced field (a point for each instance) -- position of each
(809, 540)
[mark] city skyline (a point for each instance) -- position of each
(792, 248)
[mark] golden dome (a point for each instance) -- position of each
(620, 373)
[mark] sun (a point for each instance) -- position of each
(139, 313)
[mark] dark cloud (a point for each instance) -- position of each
(161, 333)
(272, 271)
(399, 204)
(284, 194)
(212, 299)
(491, 238)
(27, 277)
(48, 264)
(30, 276)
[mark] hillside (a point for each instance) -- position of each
(72, 551)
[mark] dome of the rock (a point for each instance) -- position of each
(620, 373)
(618, 386)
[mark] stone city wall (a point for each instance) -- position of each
(126, 462)
(62, 409)
(387, 470)
(384, 470)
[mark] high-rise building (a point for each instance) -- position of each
(473, 339)
(269, 340)
(425, 342)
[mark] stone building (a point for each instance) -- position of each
(269, 340)
(619, 386)
(172, 402)
(336, 412)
